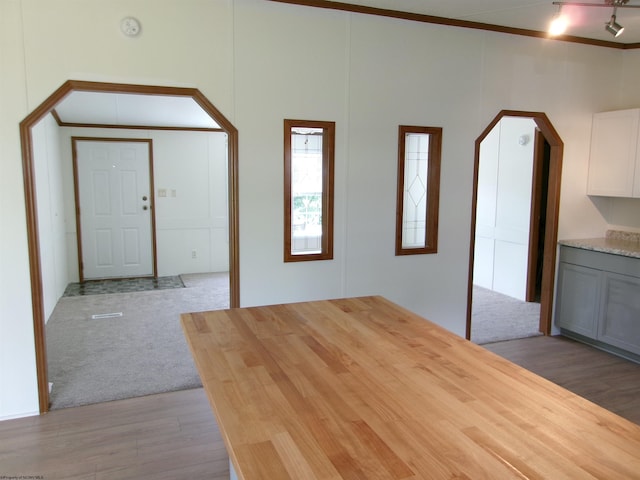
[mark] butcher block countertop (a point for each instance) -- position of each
(361, 388)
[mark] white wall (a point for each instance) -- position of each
(504, 207)
(260, 62)
(191, 169)
(18, 391)
(193, 166)
(287, 65)
(49, 169)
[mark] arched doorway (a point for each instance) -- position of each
(31, 205)
(552, 211)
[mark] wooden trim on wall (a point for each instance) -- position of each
(328, 180)
(433, 189)
(451, 22)
(552, 214)
(76, 199)
(35, 274)
(56, 116)
(234, 200)
(35, 271)
(152, 207)
(134, 127)
(534, 218)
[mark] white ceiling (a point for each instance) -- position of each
(587, 22)
(126, 109)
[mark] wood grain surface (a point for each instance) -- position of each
(361, 388)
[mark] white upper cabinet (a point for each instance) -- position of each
(614, 163)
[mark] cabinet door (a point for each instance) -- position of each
(612, 160)
(620, 315)
(578, 299)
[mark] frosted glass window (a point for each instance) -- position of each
(418, 189)
(309, 147)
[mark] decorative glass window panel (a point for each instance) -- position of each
(309, 159)
(418, 190)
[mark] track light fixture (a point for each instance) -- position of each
(559, 23)
(612, 26)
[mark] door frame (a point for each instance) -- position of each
(537, 183)
(76, 193)
(552, 212)
(28, 166)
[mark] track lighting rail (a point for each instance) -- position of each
(618, 4)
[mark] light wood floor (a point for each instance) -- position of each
(607, 380)
(174, 435)
(166, 436)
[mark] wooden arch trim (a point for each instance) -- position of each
(553, 209)
(26, 142)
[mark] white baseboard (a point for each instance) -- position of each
(19, 415)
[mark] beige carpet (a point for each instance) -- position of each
(496, 317)
(139, 353)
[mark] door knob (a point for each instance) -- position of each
(144, 198)
(145, 207)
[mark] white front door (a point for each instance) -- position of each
(115, 208)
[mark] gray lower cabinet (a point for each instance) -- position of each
(620, 313)
(598, 298)
(578, 302)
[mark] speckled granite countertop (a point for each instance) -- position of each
(616, 242)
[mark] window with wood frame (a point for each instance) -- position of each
(418, 189)
(308, 190)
